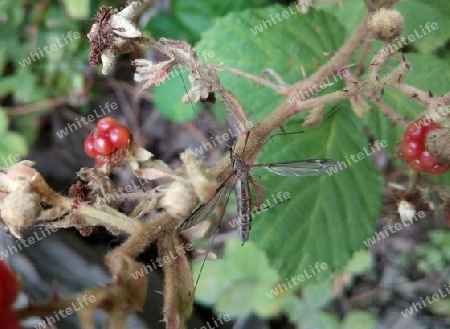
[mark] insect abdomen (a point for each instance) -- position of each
(244, 205)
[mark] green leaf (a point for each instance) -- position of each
(318, 294)
(3, 121)
(12, 143)
(306, 316)
(417, 14)
(168, 99)
(295, 42)
(26, 125)
(362, 260)
(320, 320)
(360, 320)
(26, 86)
(350, 13)
(439, 238)
(3, 47)
(178, 23)
(240, 283)
(442, 306)
(77, 9)
(12, 12)
(8, 84)
(327, 218)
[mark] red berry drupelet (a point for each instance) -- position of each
(105, 124)
(413, 148)
(106, 139)
(8, 294)
(119, 136)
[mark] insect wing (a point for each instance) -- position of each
(201, 212)
(310, 167)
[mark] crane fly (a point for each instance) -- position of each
(299, 168)
(296, 168)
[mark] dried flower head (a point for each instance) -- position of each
(19, 210)
(111, 34)
(386, 24)
(200, 89)
(438, 144)
(179, 199)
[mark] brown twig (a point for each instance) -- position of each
(35, 107)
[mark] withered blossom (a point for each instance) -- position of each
(111, 34)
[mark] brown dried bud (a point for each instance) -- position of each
(19, 210)
(315, 117)
(179, 199)
(438, 144)
(386, 24)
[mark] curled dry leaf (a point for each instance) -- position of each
(200, 89)
(200, 177)
(137, 156)
(179, 199)
(153, 174)
(153, 74)
(158, 170)
(19, 210)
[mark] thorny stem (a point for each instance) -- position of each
(360, 65)
(390, 112)
(422, 97)
(150, 231)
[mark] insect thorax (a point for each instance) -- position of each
(241, 168)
